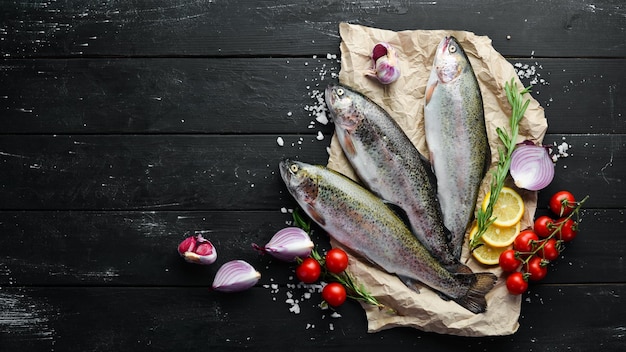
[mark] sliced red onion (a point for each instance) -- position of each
(235, 276)
(288, 244)
(531, 166)
(196, 249)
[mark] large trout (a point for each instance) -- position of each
(390, 165)
(456, 136)
(362, 222)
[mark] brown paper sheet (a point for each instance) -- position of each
(403, 99)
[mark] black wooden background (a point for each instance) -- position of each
(128, 125)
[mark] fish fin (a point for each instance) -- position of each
(315, 215)
(430, 90)
(479, 285)
(399, 211)
(349, 147)
(459, 268)
(410, 283)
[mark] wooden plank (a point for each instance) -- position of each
(209, 172)
(113, 248)
(148, 319)
(255, 95)
(259, 28)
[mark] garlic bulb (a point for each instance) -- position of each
(385, 58)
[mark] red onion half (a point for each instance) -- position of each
(288, 244)
(234, 276)
(531, 166)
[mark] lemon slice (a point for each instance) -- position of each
(486, 254)
(498, 236)
(508, 209)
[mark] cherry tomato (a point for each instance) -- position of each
(526, 241)
(508, 261)
(562, 203)
(334, 294)
(336, 260)
(516, 283)
(536, 268)
(309, 270)
(568, 230)
(550, 250)
(544, 226)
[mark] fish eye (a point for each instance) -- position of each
(452, 49)
(340, 91)
(294, 168)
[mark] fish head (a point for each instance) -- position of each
(450, 60)
(302, 183)
(342, 103)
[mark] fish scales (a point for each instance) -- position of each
(389, 164)
(456, 137)
(362, 222)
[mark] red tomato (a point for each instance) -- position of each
(562, 203)
(526, 241)
(309, 270)
(568, 230)
(334, 294)
(550, 250)
(516, 283)
(544, 226)
(336, 260)
(508, 261)
(536, 268)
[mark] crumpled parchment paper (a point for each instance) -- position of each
(403, 99)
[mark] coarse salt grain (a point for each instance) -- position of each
(280, 141)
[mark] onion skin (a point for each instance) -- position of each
(235, 276)
(532, 167)
(288, 244)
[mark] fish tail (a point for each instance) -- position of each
(479, 284)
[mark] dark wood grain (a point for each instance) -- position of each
(221, 172)
(255, 95)
(185, 319)
(139, 248)
(233, 28)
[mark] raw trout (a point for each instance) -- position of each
(390, 165)
(362, 222)
(456, 137)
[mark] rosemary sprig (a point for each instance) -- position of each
(354, 290)
(484, 217)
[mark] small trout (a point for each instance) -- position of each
(456, 137)
(390, 166)
(362, 222)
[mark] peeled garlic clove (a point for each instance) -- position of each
(386, 68)
(196, 249)
(235, 276)
(288, 244)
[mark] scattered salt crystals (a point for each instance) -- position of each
(280, 141)
(530, 72)
(320, 136)
(322, 119)
(289, 113)
(331, 327)
(561, 151)
(335, 315)
(283, 210)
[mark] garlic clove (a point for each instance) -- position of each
(235, 276)
(196, 249)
